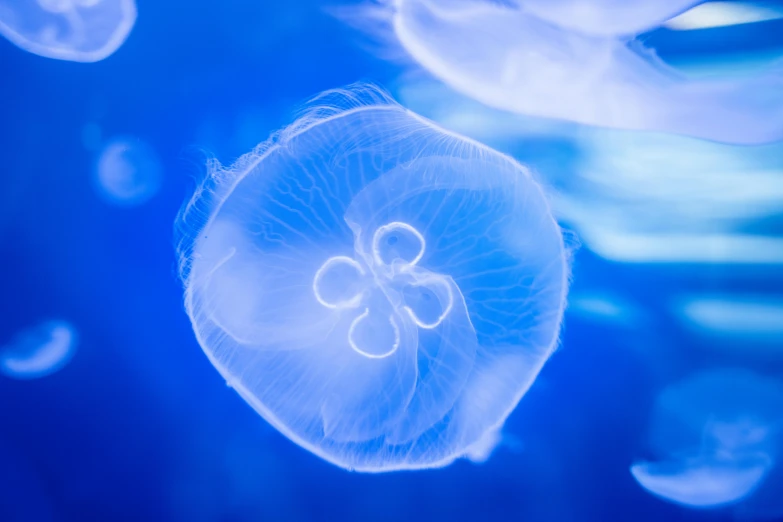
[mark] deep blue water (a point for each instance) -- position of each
(139, 426)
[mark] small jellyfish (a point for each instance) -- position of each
(382, 291)
(509, 59)
(74, 30)
(703, 482)
(128, 172)
(39, 351)
(606, 17)
(741, 317)
(718, 435)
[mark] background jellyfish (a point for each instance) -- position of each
(128, 172)
(39, 351)
(380, 290)
(509, 59)
(74, 30)
(717, 436)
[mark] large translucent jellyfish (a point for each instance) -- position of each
(717, 436)
(74, 30)
(509, 59)
(39, 351)
(380, 290)
(128, 172)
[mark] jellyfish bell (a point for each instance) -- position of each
(379, 289)
(703, 482)
(39, 351)
(127, 172)
(507, 58)
(718, 437)
(73, 30)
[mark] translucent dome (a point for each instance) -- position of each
(75, 30)
(39, 351)
(507, 58)
(718, 434)
(379, 289)
(128, 172)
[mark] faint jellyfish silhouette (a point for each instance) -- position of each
(718, 436)
(506, 58)
(128, 172)
(74, 30)
(606, 17)
(702, 482)
(380, 290)
(39, 351)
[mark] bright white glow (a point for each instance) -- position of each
(685, 248)
(39, 351)
(702, 482)
(744, 316)
(507, 58)
(128, 172)
(722, 14)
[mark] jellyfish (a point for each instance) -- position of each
(39, 351)
(606, 17)
(380, 290)
(507, 58)
(717, 436)
(702, 483)
(128, 172)
(740, 317)
(74, 30)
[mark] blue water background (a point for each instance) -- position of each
(140, 427)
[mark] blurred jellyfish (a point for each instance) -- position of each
(74, 30)
(606, 17)
(604, 308)
(128, 172)
(39, 351)
(718, 435)
(702, 483)
(380, 290)
(758, 319)
(509, 59)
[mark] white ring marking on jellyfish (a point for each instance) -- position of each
(351, 303)
(442, 316)
(376, 239)
(371, 355)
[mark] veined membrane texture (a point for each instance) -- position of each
(379, 289)
(508, 58)
(74, 30)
